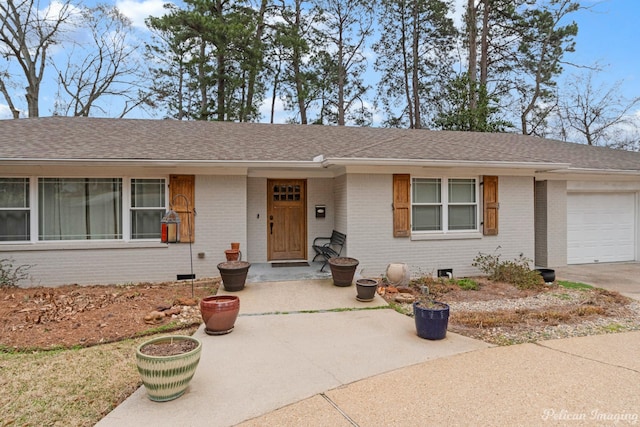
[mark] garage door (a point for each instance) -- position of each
(600, 227)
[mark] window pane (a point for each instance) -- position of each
(147, 207)
(462, 217)
(426, 190)
(147, 193)
(14, 209)
(14, 225)
(145, 224)
(427, 218)
(80, 208)
(462, 191)
(14, 192)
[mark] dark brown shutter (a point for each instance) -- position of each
(491, 205)
(184, 185)
(401, 205)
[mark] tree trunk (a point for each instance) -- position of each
(473, 53)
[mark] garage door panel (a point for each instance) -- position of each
(601, 227)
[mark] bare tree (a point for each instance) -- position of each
(599, 115)
(109, 66)
(26, 35)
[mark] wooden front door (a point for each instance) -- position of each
(286, 219)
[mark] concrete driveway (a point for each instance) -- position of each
(623, 277)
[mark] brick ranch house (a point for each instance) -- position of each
(81, 198)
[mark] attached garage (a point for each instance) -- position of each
(601, 227)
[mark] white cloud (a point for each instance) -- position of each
(279, 113)
(138, 11)
(5, 112)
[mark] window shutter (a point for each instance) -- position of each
(184, 185)
(401, 205)
(491, 205)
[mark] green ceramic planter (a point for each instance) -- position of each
(167, 377)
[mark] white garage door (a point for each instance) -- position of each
(600, 227)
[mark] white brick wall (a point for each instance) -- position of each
(220, 203)
(370, 234)
(227, 211)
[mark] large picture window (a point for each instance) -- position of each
(15, 213)
(147, 207)
(79, 208)
(444, 204)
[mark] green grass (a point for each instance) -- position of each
(467, 284)
(573, 285)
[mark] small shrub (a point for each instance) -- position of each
(467, 284)
(10, 275)
(516, 272)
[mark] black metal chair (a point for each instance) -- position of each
(332, 246)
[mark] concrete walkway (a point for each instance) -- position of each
(308, 353)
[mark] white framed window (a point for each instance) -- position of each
(147, 207)
(444, 204)
(79, 208)
(15, 211)
(40, 209)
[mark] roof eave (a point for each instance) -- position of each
(160, 163)
(536, 166)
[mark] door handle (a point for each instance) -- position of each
(271, 227)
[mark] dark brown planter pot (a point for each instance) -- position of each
(233, 274)
(342, 270)
(219, 313)
(366, 289)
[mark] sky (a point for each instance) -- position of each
(607, 36)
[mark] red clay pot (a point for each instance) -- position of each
(232, 254)
(219, 313)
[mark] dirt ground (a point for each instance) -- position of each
(45, 318)
(67, 316)
(502, 314)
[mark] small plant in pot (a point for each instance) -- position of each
(167, 364)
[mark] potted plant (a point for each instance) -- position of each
(432, 318)
(233, 274)
(219, 313)
(366, 289)
(167, 364)
(342, 270)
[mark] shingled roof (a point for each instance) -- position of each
(81, 138)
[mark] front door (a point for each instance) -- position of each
(286, 219)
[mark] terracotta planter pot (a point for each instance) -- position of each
(234, 274)
(432, 319)
(366, 289)
(232, 254)
(342, 270)
(235, 246)
(167, 377)
(219, 313)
